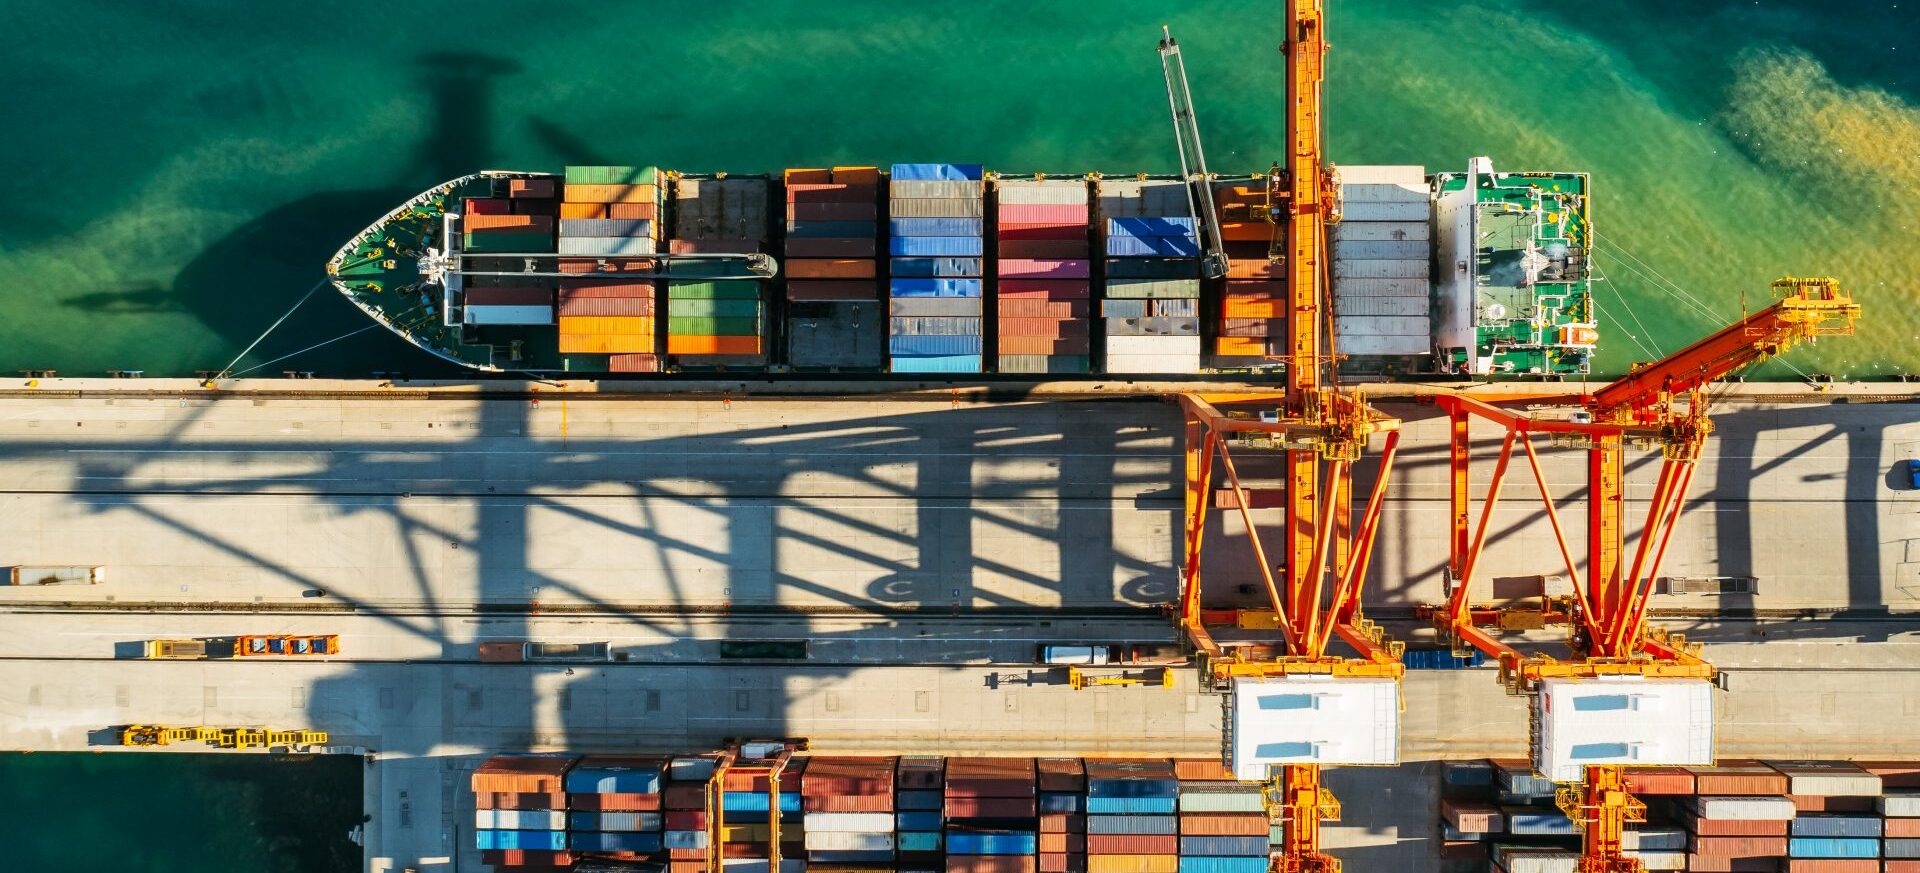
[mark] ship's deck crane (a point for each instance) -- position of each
(1321, 434)
(1662, 405)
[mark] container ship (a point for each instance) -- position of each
(938, 268)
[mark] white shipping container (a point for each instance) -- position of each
(1654, 839)
(1364, 231)
(1135, 198)
(1364, 211)
(520, 819)
(1350, 288)
(1384, 346)
(850, 822)
(1221, 802)
(848, 841)
(1522, 859)
(1900, 805)
(1375, 268)
(1153, 345)
(1376, 193)
(1659, 860)
(1380, 325)
(1386, 250)
(1743, 808)
(1055, 192)
(1404, 307)
(1312, 720)
(1412, 177)
(1149, 364)
(1828, 778)
(493, 314)
(934, 188)
(691, 769)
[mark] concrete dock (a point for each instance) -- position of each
(922, 545)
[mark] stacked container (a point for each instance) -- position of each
(936, 247)
(1151, 290)
(609, 222)
(615, 807)
(834, 310)
(684, 809)
(747, 801)
(520, 818)
(1214, 800)
(1132, 825)
(849, 810)
(500, 226)
(990, 807)
(1381, 251)
(1251, 317)
(1063, 815)
(1043, 272)
(918, 817)
(711, 321)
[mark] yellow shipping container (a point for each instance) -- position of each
(1133, 864)
(606, 324)
(605, 343)
(748, 833)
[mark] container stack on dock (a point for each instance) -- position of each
(614, 807)
(1132, 822)
(835, 314)
(1740, 817)
(918, 818)
(520, 818)
(609, 223)
(1043, 273)
(1151, 288)
(1211, 801)
(849, 810)
(1382, 249)
(684, 810)
(1063, 815)
(990, 808)
(713, 320)
(936, 246)
(1251, 323)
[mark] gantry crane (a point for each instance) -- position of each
(1663, 405)
(1334, 709)
(754, 759)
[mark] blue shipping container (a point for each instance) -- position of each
(1132, 788)
(934, 226)
(938, 267)
(1060, 802)
(754, 801)
(1469, 773)
(1170, 246)
(1903, 848)
(537, 841)
(1522, 781)
(613, 780)
(1836, 826)
(961, 842)
(936, 364)
(943, 246)
(1539, 824)
(918, 841)
(933, 346)
(613, 821)
(919, 800)
(1131, 805)
(1441, 659)
(1153, 226)
(1133, 824)
(935, 287)
(1223, 865)
(1221, 846)
(686, 840)
(937, 172)
(596, 841)
(934, 325)
(926, 820)
(1832, 847)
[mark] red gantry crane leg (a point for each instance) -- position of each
(1313, 584)
(1662, 405)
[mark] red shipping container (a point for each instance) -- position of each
(525, 774)
(832, 192)
(1065, 823)
(537, 224)
(1726, 827)
(848, 803)
(1893, 774)
(684, 795)
(830, 247)
(1656, 780)
(1133, 844)
(987, 786)
(1819, 803)
(609, 266)
(1030, 307)
(1224, 824)
(614, 802)
(712, 246)
(1736, 847)
(488, 206)
(510, 800)
(1008, 231)
(1902, 828)
(830, 268)
(834, 211)
(686, 854)
(573, 288)
(1739, 777)
(531, 188)
(1725, 864)
(1201, 770)
(1902, 866)
(992, 767)
(1029, 345)
(1028, 268)
(1063, 862)
(1472, 817)
(1046, 289)
(745, 850)
(833, 289)
(1044, 213)
(639, 307)
(1042, 327)
(989, 807)
(525, 858)
(1833, 865)
(1043, 248)
(687, 867)
(686, 820)
(991, 864)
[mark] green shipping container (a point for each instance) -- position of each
(731, 267)
(612, 175)
(508, 243)
(732, 290)
(726, 308)
(703, 325)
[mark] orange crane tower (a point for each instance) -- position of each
(1662, 405)
(1321, 433)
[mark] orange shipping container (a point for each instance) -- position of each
(1252, 307)
(606, 324)
(604, 343)
(800, 176)
(609, 210)
(1133, 844)
(508, 223)
(1201, 770)
(713, 345)
(837, 268)
(1224, 824)
(1244, 345)
(1133, 863)
(1903, 829)
(613, 194)
(1246, 230)
(1063, 842)
(1254, 269)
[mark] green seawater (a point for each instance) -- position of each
(178, 172)
(160, 812)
